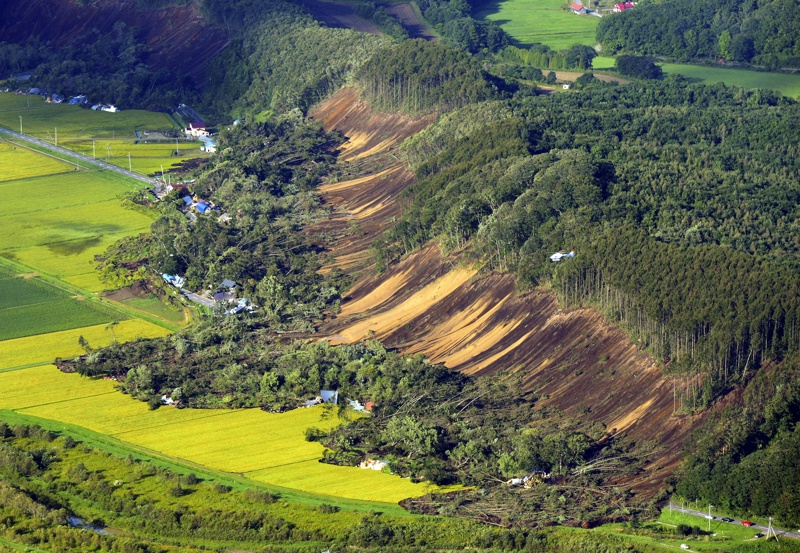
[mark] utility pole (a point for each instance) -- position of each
(56, 139)
(709, 516)
(20, 124)
(177, 152)
(130, 167)
(93, 151)
(771, 530)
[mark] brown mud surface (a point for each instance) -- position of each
(367, 201)
(179, 37)
(340, 15)
(405, 15)
(474, 321)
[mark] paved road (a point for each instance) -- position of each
(191, 296)
(70, 154)
(755, 527)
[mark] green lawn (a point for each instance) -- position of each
(544, 21)
(788, 85)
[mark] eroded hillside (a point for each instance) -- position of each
(474, 321)
(179, 38)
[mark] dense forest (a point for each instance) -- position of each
(109, 68)
(762, 33)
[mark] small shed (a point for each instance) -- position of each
(187, 200)
(202, 207)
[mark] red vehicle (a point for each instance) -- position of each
(746, 523)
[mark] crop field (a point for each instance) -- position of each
(155, 307)
(51, 316)
(17, 292)
(786, 84)
(57, 224)
(36, 350)
(42, 119)
(543, 21)
(21, 163)
(265, 447)
(146, 158)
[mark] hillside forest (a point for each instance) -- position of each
(680, 199)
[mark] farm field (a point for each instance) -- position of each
(37, 350)
(21, 163)
(543, 21)
(788, 85)
(269, 448)
(155, 307)
(57, 224)
(42, 119)
(29, 307)
(146, 158)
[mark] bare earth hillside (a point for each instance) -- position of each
(475, 322)
(180, 39)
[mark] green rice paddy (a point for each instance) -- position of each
(544, 21)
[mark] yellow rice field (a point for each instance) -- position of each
(21, 163)
(46, 347)
(265, 447)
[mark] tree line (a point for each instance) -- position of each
(750, 32)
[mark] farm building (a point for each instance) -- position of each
(196, 129)
(227, 283)
(578, 8)
(209, 146)
(622, 6)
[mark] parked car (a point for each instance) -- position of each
(726, 519)
(746, 523)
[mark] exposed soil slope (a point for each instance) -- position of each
(475, 322)
(180, 39)
(368, 199)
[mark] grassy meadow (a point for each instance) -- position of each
(268, 448)
(786, 84)
(543, 21)
(146, 158)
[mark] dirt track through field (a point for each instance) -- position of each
(339, 15)
(476, 322)
(405, 15)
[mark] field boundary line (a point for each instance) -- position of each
(182, 421)
(23, 367)
(21, 409)
(282, 465)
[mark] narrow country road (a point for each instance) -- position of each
(85, 159)
(191, 296)
(717, 520)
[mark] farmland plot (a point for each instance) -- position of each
(265, 447)
(146, 158)
(543, 21)
(21, 163)
(42, 119)
(37, 350)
